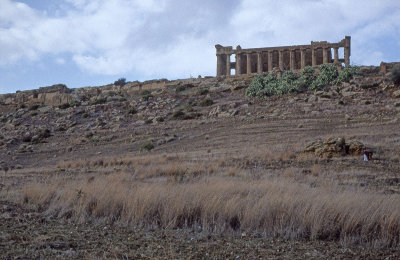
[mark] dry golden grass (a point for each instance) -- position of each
(271, 206)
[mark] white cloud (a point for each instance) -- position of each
(175, 38)
(60, 61)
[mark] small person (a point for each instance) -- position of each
(367, 154)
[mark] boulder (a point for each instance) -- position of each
(355, 147)
(334, 146)
(396, 94)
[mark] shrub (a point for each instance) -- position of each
(34, 107)
(203, 91)
(256, 86)
(395, 74)
(40, 135)
(180, 88)
(288, 83)
(99, 101)
(328, 74)
(145, 93)
(369, 85)
(306, 78)
(120, 82)
(64, 106)
(347, 73)
(147, 146)
(132, 111)
(206, 102)
(270, 85)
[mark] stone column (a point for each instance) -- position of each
(347, 51)
(346, 56)
(270, 53)
(302, 58)
(248, 63)
(280, 60)
(292, 59)
(259, 62)
(313, 57)
(219, 65)
(238, 69)
(325, 55)
(228, 65)
(336, 55)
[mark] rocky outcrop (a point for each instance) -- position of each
(334, 146)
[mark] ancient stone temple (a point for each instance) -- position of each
(258, 60)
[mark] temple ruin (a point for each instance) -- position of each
(259, 60)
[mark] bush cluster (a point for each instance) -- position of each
(309, 79)
(395, 74)
(120, 82)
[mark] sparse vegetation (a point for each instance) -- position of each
(146, 95)
(64, 106)
(181, 115)
(180, 88)
(347, 73)
(147, 146)
(270, 84)
(120, 82)
(34, 107)
(277, 207)
(395, 74)
(132, 111)
(203, 91)
(206, 102)
(99, 101)
(328, 73)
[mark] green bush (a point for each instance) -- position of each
(347, 73)
(145, 93)
(132, 111)
(120, 82)
(306, 78)
(34, 107)
(180, 88)
(395, 74)
(203, 91)
(99, 101)
(64, 106)
(288, 83)
(256, 86)
(206, 102)
(327, 75)
(147, 146)
(268, 85)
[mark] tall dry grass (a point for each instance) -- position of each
(270, 206)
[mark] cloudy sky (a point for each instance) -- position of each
(95, 42)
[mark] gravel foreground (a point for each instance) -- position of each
(26, 234)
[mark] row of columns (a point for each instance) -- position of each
(326, 57)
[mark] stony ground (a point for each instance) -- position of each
(35, 142)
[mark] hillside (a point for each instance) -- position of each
(182, 168)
